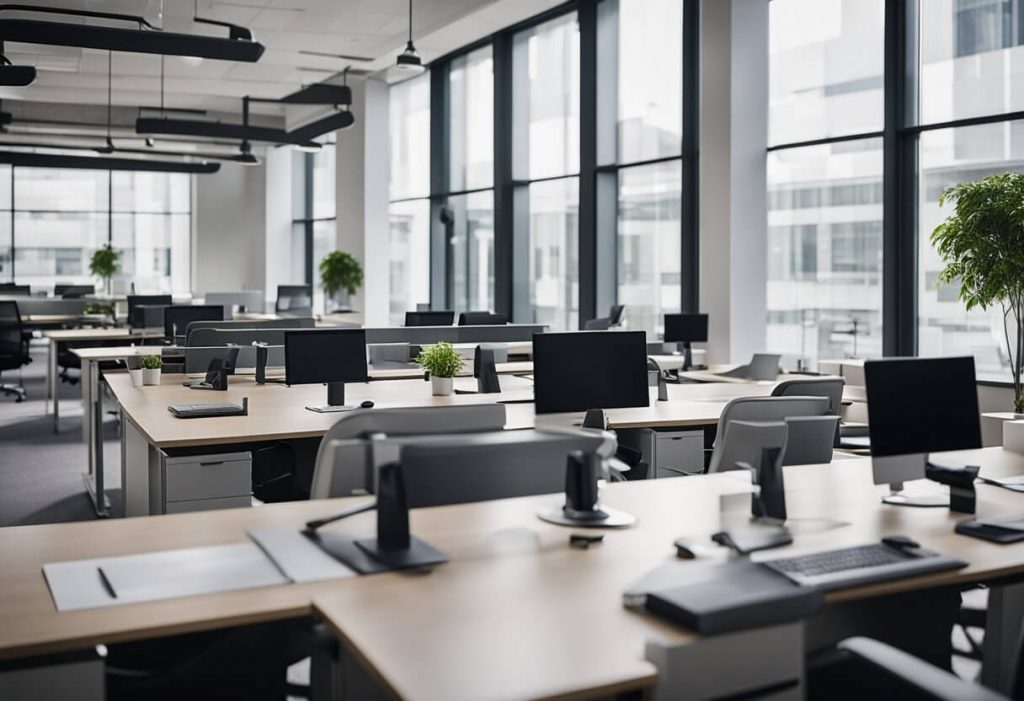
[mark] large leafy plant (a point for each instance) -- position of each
(982, 245)
(105, 263)
(340, 271)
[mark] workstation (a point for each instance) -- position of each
(485, 349)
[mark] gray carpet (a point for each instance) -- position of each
(41, 472)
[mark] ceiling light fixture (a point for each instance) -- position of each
(246, 156)
(15, 76)
(409, 62)
(46, 160)
(310, 147)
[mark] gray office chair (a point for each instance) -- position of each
(743, 441)
(336, 475)
(810, 439)
(830, 387)
(763, 366)
(758, 409)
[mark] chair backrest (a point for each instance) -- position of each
(341, 471)
(762, 366)
(430, 318)
(616, 314)
(252, 300)
(11, 330)
(743, 441)
(810, 439)
(295, 299)
(243, 333)
(12, 290)
(601, 323)
(759, 409)
(830, 387)
(481, 319)
(65, 291)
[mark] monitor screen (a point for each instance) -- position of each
(335, 355)
(922, 405)
(686, 328)
(585, 370)
(429, 318)
(147, 301)
(178, 317)
(482, 319)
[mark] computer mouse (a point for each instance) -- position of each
(366, 404)
(900, 542)
(684, 550)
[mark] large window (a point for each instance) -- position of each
(51, 222)
(409, 192)
(824, 295)
(314, 221)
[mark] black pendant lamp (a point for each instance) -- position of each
(409, 62)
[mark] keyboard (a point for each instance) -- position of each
(860, 565)
(195, 411)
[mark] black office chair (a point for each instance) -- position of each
(11, 290)
(294, 300)
(602, 323)
(482, 319)
(13, 346)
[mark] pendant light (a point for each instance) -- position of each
(409, 62)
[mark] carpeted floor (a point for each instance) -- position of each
(40, 471)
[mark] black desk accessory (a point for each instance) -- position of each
(200, 411)
(262, 357)
(394, 548)
(770, 503)
(216, 375)
(652, 366)
(749, 540)
(582, 541)
(962, 497)
(595, 418)
(485, 372)
(1008, 529)
(582, 507)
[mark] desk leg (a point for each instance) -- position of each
(52, 390)
(1003, 629)
(93, 477)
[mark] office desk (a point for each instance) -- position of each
(516, 613)
(40, 321)
(56, 338)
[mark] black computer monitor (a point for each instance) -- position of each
(178, 316)
(482, 319)
(296, 299)
(333, 356)
(14, 290)
(586, 370)
(440, 318)
(73, 291)
(134, 320)
(919, 406)
(685, 329)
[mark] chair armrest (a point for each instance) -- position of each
(911, 671)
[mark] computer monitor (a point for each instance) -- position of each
(440, 318)
(584, 370)
(685, 329)
(482, 319)
(178, 316)
(333, 356)
(13, 290)
(918, 406)
(135, 320)
(294, 299)
(66, 291)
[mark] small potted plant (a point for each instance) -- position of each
(105, 264)
(443, 363)
(134, 364)
(151, 365)
(340, 272)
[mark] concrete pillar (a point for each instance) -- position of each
(733, 203)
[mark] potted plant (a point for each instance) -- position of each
(105, 264)
(982, 245)
(151, 365)
(100, 309)
(134, 364)
(443, 363)
(340, 271)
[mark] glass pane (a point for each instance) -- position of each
(948, 157)
(472, 247)
(300, 207)
(6, 248)
(298, 273)
(649, 243)
(50, 189)
(5, 188)
(56, 246)
(554, 245)
(825, 251)
(154, 250)
(471, 82)
(324, 195)
(650, 79)
(325, 240)
(826, 59)
(149, 192)
(546, 75)
(971, 58)
(409, 115)
(409, 262)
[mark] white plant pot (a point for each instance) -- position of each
(136, 376)
(442, 386)
(150, 376)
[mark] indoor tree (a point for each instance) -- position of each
(982, 245)
(105, 264)
(340, 271)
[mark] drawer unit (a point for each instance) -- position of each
(197, 482)
(676, 451)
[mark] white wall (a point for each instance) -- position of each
(280, 256)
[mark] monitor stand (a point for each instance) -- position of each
(894, 470)
(335, 400)
(922, 501)
(687, 350)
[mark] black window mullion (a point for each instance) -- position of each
(442, 276)
(505, 301)
(690, 190)
(588, 240)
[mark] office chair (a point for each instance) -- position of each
(763, 366)
(13, 346)
(757, 409)
(294, 300)
(615, 318)
(743, 441)
(334, 475)
(863, 668)
(482, 319)
(810, 439)
(11, 290)
(830, 387)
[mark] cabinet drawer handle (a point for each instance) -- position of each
(211, 464)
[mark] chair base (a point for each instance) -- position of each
(16, 390)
